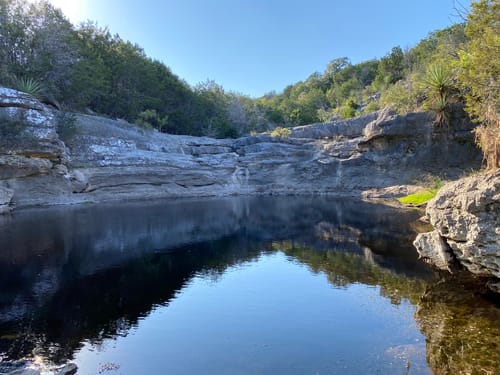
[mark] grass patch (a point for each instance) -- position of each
(418, 199)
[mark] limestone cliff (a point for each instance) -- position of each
(104, 159)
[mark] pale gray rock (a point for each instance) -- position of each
(392, 191)
(466, 214)
(26, 371)
(14, 98)
(106, 159)
(432, 247)
(68, 369)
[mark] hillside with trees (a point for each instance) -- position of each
(88, 69)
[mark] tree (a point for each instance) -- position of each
(479, 75)
(391, 67)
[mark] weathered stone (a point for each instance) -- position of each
(5, 199)
(111, 159)
(26, 371)
(434, 249)
(14, 98)
(16, 166)
(391, 191)
(466, 213)
(68, 369)
(466, 216)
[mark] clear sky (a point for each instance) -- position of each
(256, 46)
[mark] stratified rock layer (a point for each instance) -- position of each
(104, 160)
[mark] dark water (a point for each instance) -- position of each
(235, 286)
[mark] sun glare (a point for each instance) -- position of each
(72, 9)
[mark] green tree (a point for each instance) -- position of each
(479, 75)
(391, 67)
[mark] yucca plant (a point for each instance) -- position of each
(439, 79)
(31, 86)
(438, 82)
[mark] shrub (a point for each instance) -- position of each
(30, 86)
(66, 126)
(281, 132)
(488, 139)
(402, 97)
(348, 109)
(149, 119)
(371, 107)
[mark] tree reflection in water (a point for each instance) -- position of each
(85, 274)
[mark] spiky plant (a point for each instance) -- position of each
(31, 86)
(438, 82)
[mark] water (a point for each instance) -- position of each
(290, 285)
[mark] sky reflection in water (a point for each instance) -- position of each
(231, 286)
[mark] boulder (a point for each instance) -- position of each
(14, 98)
(466, 218)
(432, 247)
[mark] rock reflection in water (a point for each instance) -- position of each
(85, 274)
(462, 329)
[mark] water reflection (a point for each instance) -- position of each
(70, 276)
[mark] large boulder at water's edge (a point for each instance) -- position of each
(466, 218)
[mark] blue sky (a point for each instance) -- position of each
(255, 46)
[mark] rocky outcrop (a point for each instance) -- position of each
(104, 159)
(466, 218)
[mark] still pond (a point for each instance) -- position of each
(256, 285)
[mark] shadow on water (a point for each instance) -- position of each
(84, 274)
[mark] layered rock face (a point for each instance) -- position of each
(466, 218)
(104, 159)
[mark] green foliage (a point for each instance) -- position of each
(422, 197)
(479, 76)
(86, 67)
(438, 83)
(348, 109)
(373, 106)
(66, 126)
(439, 80)
(30, 86)
(418, 199)
(391, 68)
(402, 97)
(281, 132)
(149, 119)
